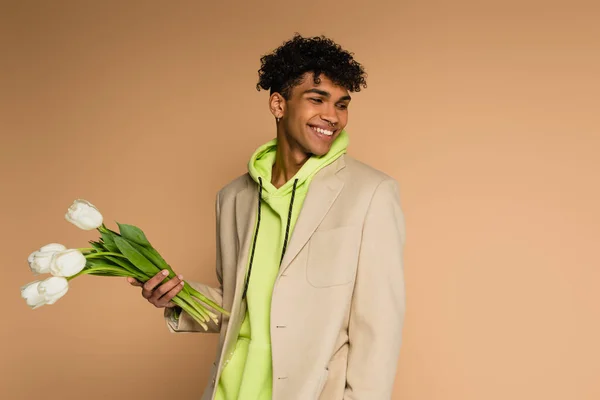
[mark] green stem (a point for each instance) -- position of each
(194, 304)
(205, 311)
(87, 249)
(205, 299)
(190, 310)
(100, 268)
(105, 253)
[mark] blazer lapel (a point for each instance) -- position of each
(322, 193)
(246, 203)
(245, 212)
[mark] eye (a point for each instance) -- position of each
(343, 106)
(316, 100)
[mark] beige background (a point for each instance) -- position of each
(485, 111)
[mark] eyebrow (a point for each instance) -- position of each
(325, 94)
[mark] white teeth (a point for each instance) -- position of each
(323, 131)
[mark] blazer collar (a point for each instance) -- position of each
(324, 189)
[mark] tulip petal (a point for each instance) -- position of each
(53, 289)
(31, 295)
(67, 263)
(53, 247)
(84, 215)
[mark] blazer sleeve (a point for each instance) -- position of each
(378, 302)
(179, 321)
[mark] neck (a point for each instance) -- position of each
(288, 160)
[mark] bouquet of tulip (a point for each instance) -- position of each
(127, 253)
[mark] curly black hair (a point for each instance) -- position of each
(284, 68)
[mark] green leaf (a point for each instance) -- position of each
(152, 255)
(133, 234)
(156, 259)
(109, 242)
(126, 265)
(157, 255)
(135, 257)
(97, 245)
(96, 261)
(108, 270)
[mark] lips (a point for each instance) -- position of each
(323, 131)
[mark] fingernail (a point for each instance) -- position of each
(165, 272)
(180, 276)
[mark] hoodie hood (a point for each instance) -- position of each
(261, 165)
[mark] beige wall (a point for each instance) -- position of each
(486, 114)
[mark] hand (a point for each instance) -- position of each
(158, 294)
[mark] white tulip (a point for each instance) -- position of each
(84, 215)
(39, 261)
(53, 288)
(67, 263)
(30, 293)
(53, 247)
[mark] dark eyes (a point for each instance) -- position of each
(320, 101)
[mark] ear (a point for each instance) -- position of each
(277, 105)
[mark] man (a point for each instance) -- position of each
(309, 249)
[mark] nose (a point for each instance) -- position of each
(330, 117)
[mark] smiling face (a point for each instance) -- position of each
(313, 116)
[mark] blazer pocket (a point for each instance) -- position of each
(332, 256)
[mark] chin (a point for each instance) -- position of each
(318, 143)
(320, 150)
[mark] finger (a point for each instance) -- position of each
(151, 283)
(166, 299)
(134, 282)
(164, 288)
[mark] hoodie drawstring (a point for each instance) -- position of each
(289, 222)
(287, 230)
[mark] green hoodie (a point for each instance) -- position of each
(249, 373)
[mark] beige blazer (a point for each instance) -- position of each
(338, 301)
